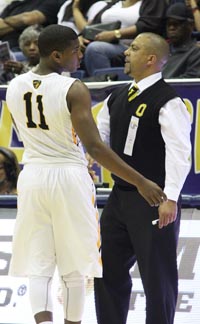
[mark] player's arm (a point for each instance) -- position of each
(79, 103)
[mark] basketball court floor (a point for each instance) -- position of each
(14, 303)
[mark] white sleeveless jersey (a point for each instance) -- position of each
(39, 107)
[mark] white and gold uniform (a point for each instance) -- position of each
(57, 220)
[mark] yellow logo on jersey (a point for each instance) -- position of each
(36, 84)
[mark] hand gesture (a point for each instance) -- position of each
(151, 192)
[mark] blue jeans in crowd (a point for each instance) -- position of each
(98, 55)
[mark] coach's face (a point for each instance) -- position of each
(136, 58)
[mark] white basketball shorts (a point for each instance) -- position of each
(57, 223)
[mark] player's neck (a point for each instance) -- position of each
(44, 68)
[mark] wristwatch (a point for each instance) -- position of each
(118, 33)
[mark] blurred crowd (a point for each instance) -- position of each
(177, 20)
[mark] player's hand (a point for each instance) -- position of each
(167, 213)
(91, 162)
(151, 192)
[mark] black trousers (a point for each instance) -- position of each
(129, 236)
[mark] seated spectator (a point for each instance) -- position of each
(28, 44)
(184, 59)
(9, 171)
(20, 14)
(78, 13)
(141, 16)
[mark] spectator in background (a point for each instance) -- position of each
(78, 13)
(108, 44)
(9, 171)
(28, 44)
(20, 14)
(146, 15)
(184, 59)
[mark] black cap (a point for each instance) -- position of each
(180, 11)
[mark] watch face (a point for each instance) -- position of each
(117, 34)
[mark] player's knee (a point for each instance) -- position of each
(74, 279)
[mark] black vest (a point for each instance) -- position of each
(148, 156)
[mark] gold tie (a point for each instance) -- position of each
(133, 92)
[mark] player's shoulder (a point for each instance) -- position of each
(78, 87)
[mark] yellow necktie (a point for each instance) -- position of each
(133, 92)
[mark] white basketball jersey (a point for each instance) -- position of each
(39, 107)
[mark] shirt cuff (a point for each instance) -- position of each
(172, 193)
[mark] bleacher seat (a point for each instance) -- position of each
(79, 74)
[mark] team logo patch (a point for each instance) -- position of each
(36, 84)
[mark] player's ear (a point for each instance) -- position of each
(56, 55)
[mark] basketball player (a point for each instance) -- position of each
(57, 219)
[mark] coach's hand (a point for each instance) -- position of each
(167, 213)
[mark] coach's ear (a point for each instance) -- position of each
(151, 60)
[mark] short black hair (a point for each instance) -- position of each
(55, 38)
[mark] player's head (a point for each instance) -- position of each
(9, 167)
(59, 48)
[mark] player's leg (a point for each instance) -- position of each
(73, 286)
(40, 299)
(33, 247)
(76, 236)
